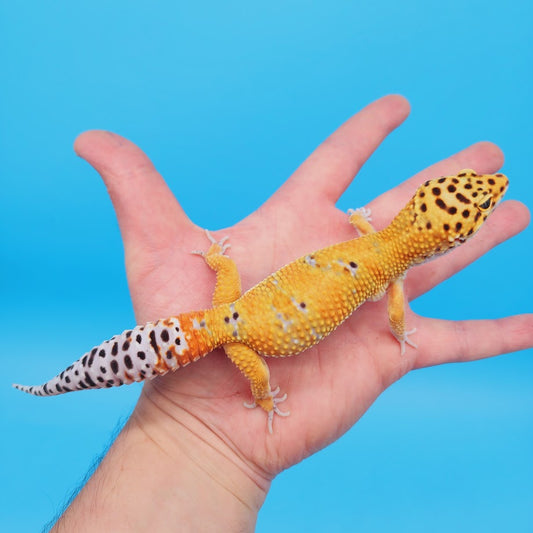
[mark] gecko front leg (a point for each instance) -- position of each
(396, 310)
(361, 219)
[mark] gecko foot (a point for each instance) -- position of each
(222, 244)
(275, 408)
(364, 212)
(406, 340)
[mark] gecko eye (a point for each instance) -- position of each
(486, 204)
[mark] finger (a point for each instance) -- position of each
(332, 166)
(442, 341)
(508, 219)
(484, 157)
(146, 208)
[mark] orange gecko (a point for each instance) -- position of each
(300, 304)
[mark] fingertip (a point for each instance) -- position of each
(399, 102)
(394, 108)
(514, 215)
(490, 156)
(87, 139)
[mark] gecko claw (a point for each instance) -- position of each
(221, 243)
(274, 410)
(406, 340)
(364, 212)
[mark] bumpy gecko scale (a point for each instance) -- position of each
(301, 303)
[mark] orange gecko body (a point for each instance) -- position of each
(301, 303)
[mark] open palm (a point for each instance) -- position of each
(331, 385)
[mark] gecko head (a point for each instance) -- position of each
(449, 210)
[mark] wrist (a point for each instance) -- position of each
(168, 471)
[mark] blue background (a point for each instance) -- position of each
(244, 91)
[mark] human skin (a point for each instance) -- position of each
(191, 457)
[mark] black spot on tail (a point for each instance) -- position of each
(89, 381)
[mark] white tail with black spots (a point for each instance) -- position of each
(141, 353)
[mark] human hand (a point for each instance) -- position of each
(331, 385)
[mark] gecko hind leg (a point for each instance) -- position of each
(228, 280)
(275, 410)
(249, 362)
(255, 369)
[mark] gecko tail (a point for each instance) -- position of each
(137, 354)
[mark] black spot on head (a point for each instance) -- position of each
(421, 194)
(465, 213)
(177, 329)
(226, 319)
(455, 180)
(103, 369)
(427, 183)
(101, 353)
(502, 188)
(67, 379)
(82, 385)
(452, 210)
(479, 182)
(94, 350)
(84, 360)
(114, 366)
(128, 334)
(435, 191)
(458, 226)
(441, 180)
(353, 264)
(446, 227)
(126, 345)
(476, 218)
(499, 175)
(114, 349)
(58, 387)
(491, 181)
(128, 362)
(470, 231)
(451, 188)
(141, 355)
(139, 338)
(91, 359)
(235, 315)
(165, 335)
(474, 194)
(462, 175)
(468, 186)
(440, 203)
(169, 354)
(177, 341)
(423, 208)
(462, 198)
(428, 225)
(302, 305)
(76, 373)
(100, 379)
